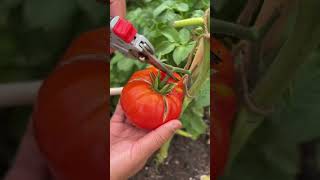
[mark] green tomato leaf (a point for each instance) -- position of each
(184, 36)
(125, 65)
(160, 9)
(192, 120)
(299, 112)
(166, 47)
(169, 17)
(182, 7)
(198, 13)
(171, 34)
(203, 97)
(181, 53)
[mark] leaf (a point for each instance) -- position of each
(184, 36)
(125, 65)
(182, 7)
(198, 13)
(203, 97)
(169, 17)
(297, 120)
(171, 34)
(192, 120)
(166, 47)
(160, 9)
(251, 165)
(48, 14)
(181, 53)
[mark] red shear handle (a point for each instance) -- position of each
(124, 30)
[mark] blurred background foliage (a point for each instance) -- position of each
(33, 36)
(286, 145)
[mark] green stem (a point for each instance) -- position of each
(184, 133)
(304, 38)
(164, 81)
(243, 32)
(204, 73)
(163, 152)
(234, 30)
(179, 70)
(188, 22)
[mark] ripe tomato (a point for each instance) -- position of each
(70, 114)
(224, 106)
(145, 106)
(225, 68)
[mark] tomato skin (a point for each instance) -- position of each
(69, 117)
(225, 69)
(224, 105)
(145, 107)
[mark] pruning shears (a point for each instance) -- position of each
(125, 39)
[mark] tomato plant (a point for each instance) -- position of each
(69, 116)
(150, 98)
(173, 46)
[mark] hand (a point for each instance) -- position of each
(29, 163)
(130, 147)
(118, 8)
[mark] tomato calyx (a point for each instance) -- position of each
(161, 86)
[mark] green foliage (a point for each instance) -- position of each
(33, 36)
(272, 152)
(154, 19)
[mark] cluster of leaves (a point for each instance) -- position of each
(34, 33)
(33, 36)
(273, 150)
(154, 19)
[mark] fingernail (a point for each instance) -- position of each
(176, 124)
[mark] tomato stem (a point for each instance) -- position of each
(199, 21)
(164, 81)
(161, 86)
(178, 70)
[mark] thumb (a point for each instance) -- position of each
(156, 138)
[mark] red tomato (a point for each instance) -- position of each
(146, 107)
(225, 68)
(224, 106)
(70, 116)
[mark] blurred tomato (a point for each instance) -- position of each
(224, 105)
(70, 116)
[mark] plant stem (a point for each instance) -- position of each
(204, 73)
(303, 39)
(234, 30)
(163, 152)
(178, 70)
(184, 133)
(21, 93)
(188, 22)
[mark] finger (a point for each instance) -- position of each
(156, 138)
(118, 8)
(118, 115)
